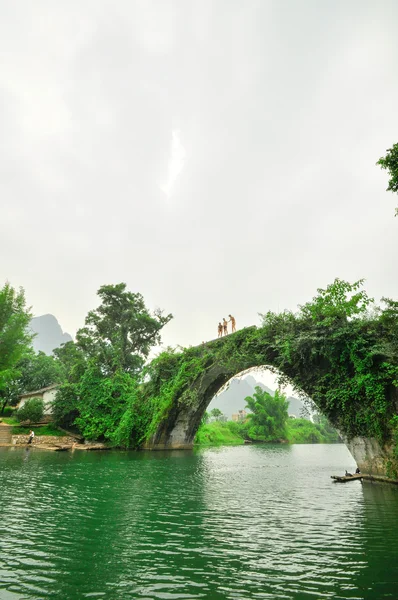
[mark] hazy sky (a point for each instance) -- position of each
(218, 156)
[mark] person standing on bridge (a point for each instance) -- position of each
(233, 323)
(219, 330)
(225, 326)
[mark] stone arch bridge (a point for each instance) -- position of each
(187, 382)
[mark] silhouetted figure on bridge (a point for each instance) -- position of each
(219, 330)
(233, 323)
(225, 326)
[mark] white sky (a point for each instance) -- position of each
(216, 155)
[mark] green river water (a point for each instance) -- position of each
(248, 522)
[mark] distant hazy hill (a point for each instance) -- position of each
(49, 334)
(233, 398)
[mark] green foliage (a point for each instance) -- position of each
(8, 411)
(38, 371)
(71, 361)
(49, 429)
(270, 413)
(340, 301)
(297, 431)
(33, 372)
(389, 162)
(32, 410)
(219, 434)
(131, 429)
(342, 356)
(15, 338)
(216, 414)
(205, 418)
(101, 395)
(120, 333)
(65, 406)
(302, 431)
(329, 433)
(101, 402)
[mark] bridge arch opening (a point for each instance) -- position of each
(230, 398)
(180, 428)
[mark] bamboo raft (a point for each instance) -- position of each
(344, 478)
(363, 476)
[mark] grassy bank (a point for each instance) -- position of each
(219, 434)
(298, 431)
(49, 429)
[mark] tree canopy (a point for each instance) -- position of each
(389, 162)
(15, 337)
(269, 415)
(120, 333)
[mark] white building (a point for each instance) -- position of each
(47, 394)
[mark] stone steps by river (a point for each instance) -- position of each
(5, 434)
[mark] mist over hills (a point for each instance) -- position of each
(233, 398)
(49, 334)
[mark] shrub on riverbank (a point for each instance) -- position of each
(32, 410)
(302, 431)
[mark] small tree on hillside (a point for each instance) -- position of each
(216, 414)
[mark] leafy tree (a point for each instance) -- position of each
(38, 371)
(389, 162)
(15, 338)
(102, 401)
(32, 410)
(216, 414)
(120, 333)
(33, 372)
(269, 416)
(71, 360)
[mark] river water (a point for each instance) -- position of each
(246, 522)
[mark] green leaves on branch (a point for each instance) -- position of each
(389, 162)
